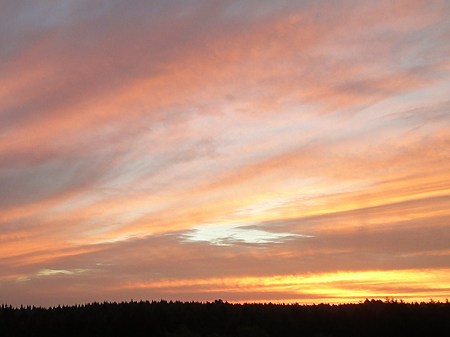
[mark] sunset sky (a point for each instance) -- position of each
(253, 151)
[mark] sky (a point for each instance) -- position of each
(252, 151)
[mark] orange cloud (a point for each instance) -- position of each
(148, 127)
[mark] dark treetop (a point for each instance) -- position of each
(220, 319)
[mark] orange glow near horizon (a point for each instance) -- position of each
(339, 287)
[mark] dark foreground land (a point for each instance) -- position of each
(219, 319)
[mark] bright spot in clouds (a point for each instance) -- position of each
(229, 234)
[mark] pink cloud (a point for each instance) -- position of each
(123, 123)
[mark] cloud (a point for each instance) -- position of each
(234, 234)
(127, 127)
(52, 272)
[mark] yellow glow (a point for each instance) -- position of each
(327, 287)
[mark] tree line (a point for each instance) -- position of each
(222, 319)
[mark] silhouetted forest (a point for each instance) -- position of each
(220, 319)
